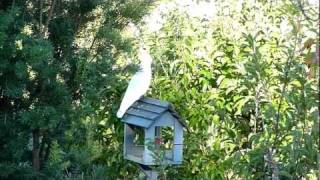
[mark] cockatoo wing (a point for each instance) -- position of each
(137, 87)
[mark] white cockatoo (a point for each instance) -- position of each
(138, 84)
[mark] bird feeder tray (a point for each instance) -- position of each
(150, 116)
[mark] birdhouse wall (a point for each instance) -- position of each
(177, 142)
(157, 131)
(165, 120)
(128, 138)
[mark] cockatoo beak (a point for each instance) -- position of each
(144, 55)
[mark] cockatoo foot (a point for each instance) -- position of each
(120, 114)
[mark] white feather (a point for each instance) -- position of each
(138, 84)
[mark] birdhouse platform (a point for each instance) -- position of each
(153, 126)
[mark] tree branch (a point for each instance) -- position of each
(300, 6)
(36, 150)
(40, 18)
(45, 30)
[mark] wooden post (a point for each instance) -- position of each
(151, 175)
(149, 172)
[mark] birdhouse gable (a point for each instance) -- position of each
(166, 119)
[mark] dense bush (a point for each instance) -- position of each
(241, 81)
(58, 83)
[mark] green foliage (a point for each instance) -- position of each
(241, 80)
(245, 94)
(57, 96)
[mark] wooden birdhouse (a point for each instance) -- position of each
(151, 124)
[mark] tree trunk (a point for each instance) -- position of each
(36, 150)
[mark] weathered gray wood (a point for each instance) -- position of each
(158, 131)
(149, 107)
(155, 102)
(151, 175)
(157, 135)
(151, 115)
(136, 151)
(149, 172)
(134, 158)
(178, 142)
(128, 138)
(142, 113)
(138, 121)
(166, 119)
(169, 155)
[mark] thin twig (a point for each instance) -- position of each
(283, 91)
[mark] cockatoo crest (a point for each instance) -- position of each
(138, 84)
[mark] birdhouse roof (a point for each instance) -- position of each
(146, 111)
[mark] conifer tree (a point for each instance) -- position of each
(43, 73)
